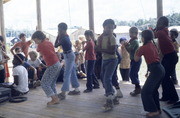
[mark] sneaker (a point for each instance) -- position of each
(108, 105)
(74, 92)
(116, 100)
(87, 91)
(119, 93)
(135, 92)
(61, 96)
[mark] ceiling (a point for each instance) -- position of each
(4, 1)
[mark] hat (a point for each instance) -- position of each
(122, 39)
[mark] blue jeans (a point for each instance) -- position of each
(91, 77)
(135, 66)
(69, 72)
(107, 71)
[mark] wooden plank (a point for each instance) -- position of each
(82, 106)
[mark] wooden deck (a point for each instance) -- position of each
(86, 105)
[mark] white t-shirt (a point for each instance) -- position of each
(35, 63)
(22, 74)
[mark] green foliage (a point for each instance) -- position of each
(142, 24)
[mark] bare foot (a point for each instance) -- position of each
(53, 101)
(151, 114)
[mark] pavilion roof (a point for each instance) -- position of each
(4, 1)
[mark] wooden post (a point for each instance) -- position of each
(39, 22)
(91, 15)
(2, 28)
(159, 8)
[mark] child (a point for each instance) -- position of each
(90, 57)
(36, 63)
(131, 47)
(106, 44)
(149, 93)
(48, 82)
(169, 60)
(32, 72)
(125, 61)
(3, 59)
(70, 67)
(20, 76)
(23, 44)
(80, 58)
(174, 34)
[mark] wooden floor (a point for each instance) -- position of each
(86, 105)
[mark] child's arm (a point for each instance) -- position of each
(136, 57)
(57, 42)
(110, 50)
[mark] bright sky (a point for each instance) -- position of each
(21, 14)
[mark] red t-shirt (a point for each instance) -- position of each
(165, 42)
(150, 53)
(46, 49)
(90, 52)
(24, 47)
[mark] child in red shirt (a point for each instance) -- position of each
(149, 93)
(90, 57)
(48, 82)
(169, 60)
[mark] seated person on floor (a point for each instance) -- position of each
(36, 63)
(32, 73)
(20, 75)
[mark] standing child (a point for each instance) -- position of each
(3, 59)
(131, 47)
(90, 58)
(149, 93)
(48, 82)
(174, 34)
(70, 66)
(23, 44)
(125, 61)
(106, 44)
(169, 60)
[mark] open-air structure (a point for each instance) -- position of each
(82, 106)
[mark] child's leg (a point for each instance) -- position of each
(126, 74)
(89, 83)
(109, 67)
(135, 66)
(149, 93)
(49, 79)
(122, 71)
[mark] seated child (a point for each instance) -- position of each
(20, 75)
(32, 73)
(36, 63)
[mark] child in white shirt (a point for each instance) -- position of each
(20, 75)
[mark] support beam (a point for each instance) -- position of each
(39, 21)
(159, 8)
(91, 15)
(2, 28)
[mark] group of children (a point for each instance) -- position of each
(161, 70)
